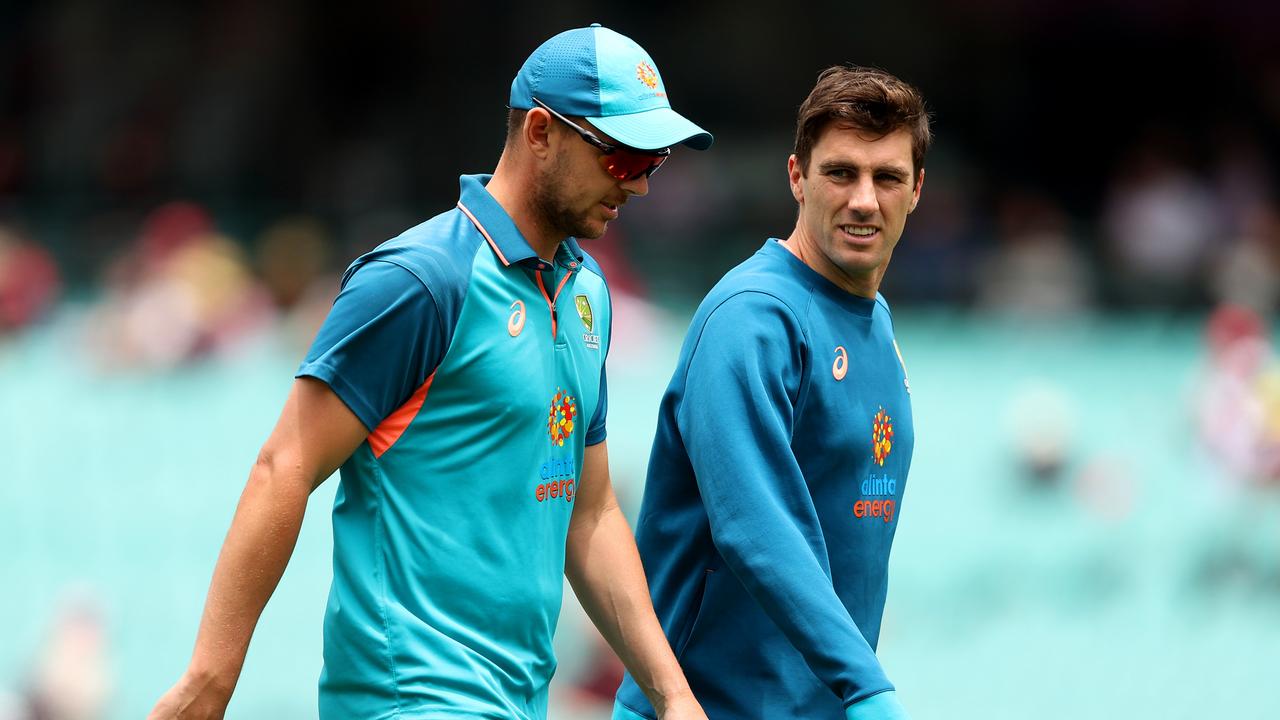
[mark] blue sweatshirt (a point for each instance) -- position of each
(774, 489)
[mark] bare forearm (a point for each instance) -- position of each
(253, 558)
(316, 432)
(604, 569)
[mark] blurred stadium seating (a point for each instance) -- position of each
(1067, 548)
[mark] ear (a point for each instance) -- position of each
(795, 175)
(537, 132)
(915, 196)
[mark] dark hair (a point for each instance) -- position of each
(867, 99)
(515, 122)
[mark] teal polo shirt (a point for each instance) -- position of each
(478, 369)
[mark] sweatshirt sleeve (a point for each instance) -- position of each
(736, 417)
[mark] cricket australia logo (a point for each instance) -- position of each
(583, 305)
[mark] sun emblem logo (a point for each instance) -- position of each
(647, 75)
(564, 408)
(881, 437)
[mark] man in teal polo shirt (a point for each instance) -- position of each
(459, 384)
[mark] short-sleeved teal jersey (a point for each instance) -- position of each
(479, 369)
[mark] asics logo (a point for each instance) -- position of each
(515, 323)
(841, 365)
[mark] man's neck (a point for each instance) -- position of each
(513, 196)
(861, 285)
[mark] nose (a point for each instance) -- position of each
(638, 186)
(862, 198)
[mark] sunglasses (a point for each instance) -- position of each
(621, 162)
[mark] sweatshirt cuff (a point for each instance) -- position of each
(881, 706)
(622, 712)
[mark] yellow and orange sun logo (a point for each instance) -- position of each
(881, 437)
(647, 75)
(564, 408)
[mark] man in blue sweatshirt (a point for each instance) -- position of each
(783, 442)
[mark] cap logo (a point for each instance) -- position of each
(647, 75)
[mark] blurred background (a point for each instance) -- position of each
(1085, 300)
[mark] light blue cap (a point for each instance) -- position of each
(606, 78)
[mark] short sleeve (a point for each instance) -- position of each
(381, 340)
(595, 431)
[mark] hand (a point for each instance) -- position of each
(682, 707)
(191, 699)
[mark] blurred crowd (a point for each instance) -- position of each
(1166, 237)
(181, 290)
(173, 282)
(71, 676)
(245, 148)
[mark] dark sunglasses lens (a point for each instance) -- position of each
(626, 165)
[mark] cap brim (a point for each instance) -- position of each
(653, 130)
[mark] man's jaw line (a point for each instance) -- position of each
(812, 255)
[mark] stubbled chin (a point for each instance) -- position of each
(592, 229)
